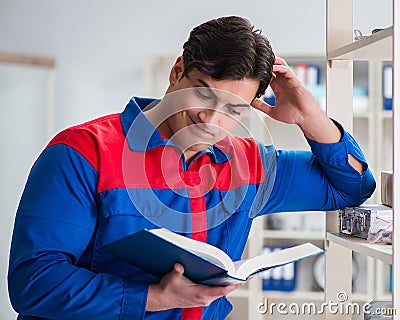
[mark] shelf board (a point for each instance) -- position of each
(27, 60)
(365, 114)
(310, 295)
(386, 296)
(386, 114)
(378, 251)
(377, 46)
(272, 294)
(361, 296)
(293, 235)
(295, 295)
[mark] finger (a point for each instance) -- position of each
(233, 287)
(280, 61)
(282, 70)
(179, 268)
(223, 291)
(262, 106)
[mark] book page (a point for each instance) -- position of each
(248, 267)
(205, 250)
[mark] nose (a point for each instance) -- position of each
(210, 116)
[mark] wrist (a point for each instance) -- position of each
(154, 298)
(319, 127)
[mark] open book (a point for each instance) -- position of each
(156, 251)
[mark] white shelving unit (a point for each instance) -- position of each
(377, 46)
(376, 251)
(341, 52)
(293, 234)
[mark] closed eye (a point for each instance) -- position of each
(237, 110)
(234, 112)
(201, 93)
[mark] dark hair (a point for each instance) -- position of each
(229, 48)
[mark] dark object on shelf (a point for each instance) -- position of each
(365, 220)
(378, 310)
(387, 188)
(379, 29)
(358, 34)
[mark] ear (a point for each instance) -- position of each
(176, 71)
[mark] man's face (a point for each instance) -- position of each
(202, 110)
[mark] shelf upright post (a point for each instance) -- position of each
(255, 246)
(396, 161)
(339, 102)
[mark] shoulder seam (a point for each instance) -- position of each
(78, 151)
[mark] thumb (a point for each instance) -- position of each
(179, 268)
(262, 106)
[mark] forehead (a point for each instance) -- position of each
(244, 89)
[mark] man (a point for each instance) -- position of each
(173, 163)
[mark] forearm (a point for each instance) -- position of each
(154, 302)
(345, 166)
(320, 128)
(305, 182)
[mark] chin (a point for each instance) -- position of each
(199, 147)
(196, 148)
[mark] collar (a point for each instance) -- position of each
(142, 135)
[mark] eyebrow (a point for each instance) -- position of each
(206, 85)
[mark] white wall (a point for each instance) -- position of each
(23, 102)
(100, 45)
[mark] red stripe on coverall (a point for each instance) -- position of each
(199, 232)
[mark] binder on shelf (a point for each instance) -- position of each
(269, 96)
(387, 87)
(313, 75)
(300, 69)
(282, 278)
(309, 74)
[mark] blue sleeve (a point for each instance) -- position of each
(321, 179)
(55, 222)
